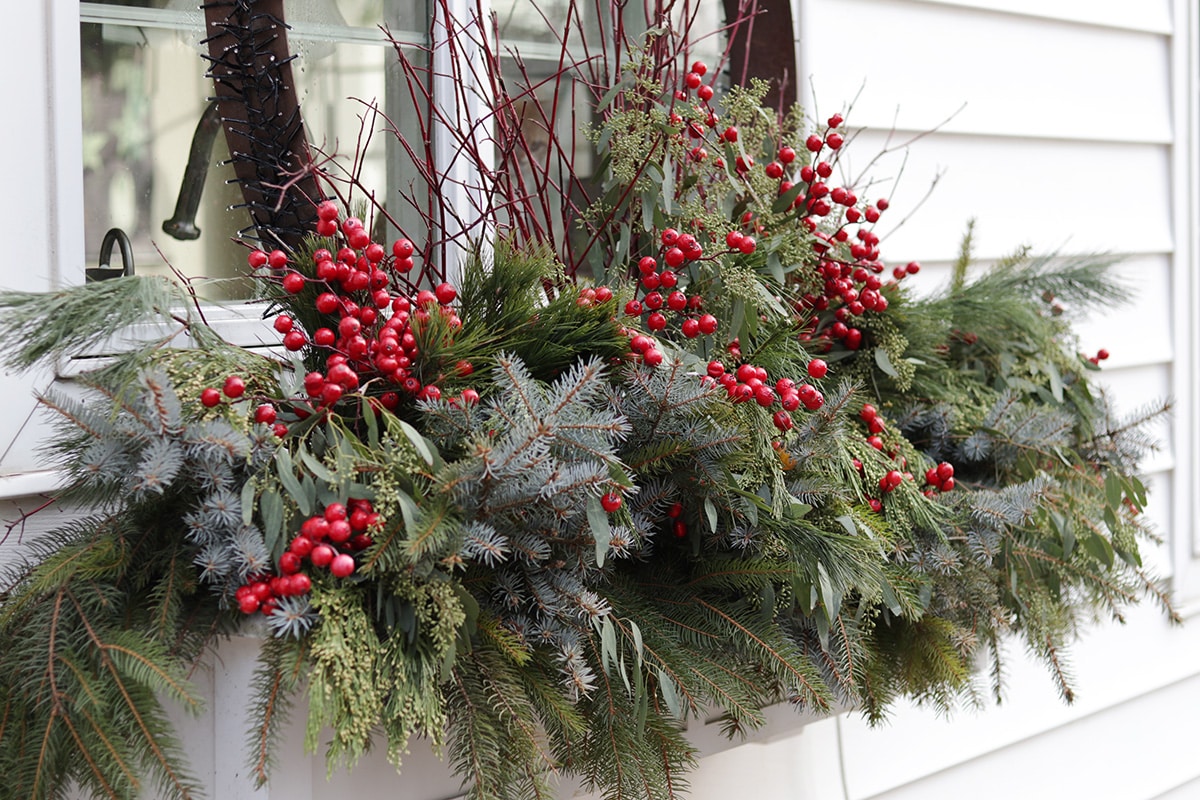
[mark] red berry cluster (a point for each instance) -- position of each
(694, 81)
(875, 426)
(1101, 355)
(261, 592)
(748, 382)
(940, 477)
(234, 388)
(376, 333)
(327, 540)
(661, 291)
(678, 526)
(892, 479)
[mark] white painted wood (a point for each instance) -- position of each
(1144, 15)
(44, 169)
(1186, 301)
(1011, 76)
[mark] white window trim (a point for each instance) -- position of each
(1185, 529)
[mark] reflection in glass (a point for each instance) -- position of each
(144, 92)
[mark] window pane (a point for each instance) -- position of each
(144, 93)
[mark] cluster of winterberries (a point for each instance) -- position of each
(695, 128)
(892, 479)
(234, 389)
(676, 251)
(1101, 355)
(940, 477)
(875, 425)
(748, 382)
(327, 541)
(261, 592)
(377, 328)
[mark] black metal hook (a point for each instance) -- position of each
(182, 225)
(104, 271)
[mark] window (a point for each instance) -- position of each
(145, 96)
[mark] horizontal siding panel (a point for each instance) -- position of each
(1054, 196)
(1145, 15)
(917, 63)
(1098, 757)
(1138, 331)
(1115, 667)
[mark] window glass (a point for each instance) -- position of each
(144, 94)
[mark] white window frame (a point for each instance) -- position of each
(1185, 513)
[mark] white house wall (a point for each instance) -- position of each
(1077, 135)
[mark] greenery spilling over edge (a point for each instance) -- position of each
(601, 546)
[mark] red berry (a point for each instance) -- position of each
(426, 298)
(210, 397)
(947, 485)
(653, 357)
(445, 293)
(699, 67)
(836, 120)
(633, 308)
(603, 294)
(293, 283)
(813, 143)
(256, 259)
(690, 328)
(945, 471)
(277, 259)
(786, 154)
(782, 420)
(610, 502)
(774, 170)
(234, 387)
(322, 555)
(835, 141)
(265, 414)
(327, 302)
(705, 93)
(283, 323)
(1102, 354)
(817, 368)
(402, 248)
(342, 565)
(691, 80)
(248, 604)
(747, 245)
(327, 210)
(707, 323)
(731, 134)
(656, 321)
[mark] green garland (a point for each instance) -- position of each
(587, 534)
